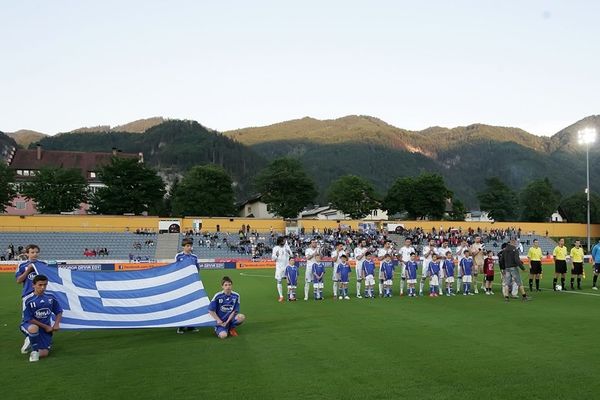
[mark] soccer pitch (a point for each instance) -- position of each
(473, 347)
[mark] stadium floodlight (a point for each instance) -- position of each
(586, 137)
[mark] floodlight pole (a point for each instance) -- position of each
(587, 163)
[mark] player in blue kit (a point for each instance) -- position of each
(466, 269)
(224, 308)
(448, 268)
(369, 275)
(291, 275)
(187, 255)
(343, 272)
(410, 270)
(387, 269)
(433, 271)
(24, 275)
(37, 318)
(318, 271)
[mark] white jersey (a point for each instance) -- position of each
(281, 255)
(383, 251)
(405, 253)
(337, 258)
(310, 256)
(428, 252)
(359, 255)
(460, 252)
(441, 251)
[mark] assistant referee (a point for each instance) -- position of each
(560, 263)
(535, 265)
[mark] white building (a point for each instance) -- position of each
(255, 208)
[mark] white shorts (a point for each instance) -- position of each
(369, 280)
(450, 279)
(388, 282)
(318, 285)
(308, 275)
(467, 279)
(359, 271)
(425, 267)
(434, 280)
(279, 273)
(291, 287)
(402, 266)
(412, 281)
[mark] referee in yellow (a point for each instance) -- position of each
(535, 265)
(560, 263)
(577, 260)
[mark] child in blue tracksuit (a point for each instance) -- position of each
(449, 272)
(343, 272)
(387, 269)
(434, 276)
(318, 271)
(291, 275)
(466, 268)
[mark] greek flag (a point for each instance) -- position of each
(169, 296)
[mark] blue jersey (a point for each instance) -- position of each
(192, 258)
(411, 269)
(344, 271)
(225, 304)
(318, 270)
(291, 273)
(433, 268)
(449, 268)
(28, 282)
(466, 266)
(369, 267)
(41, 308)
(596, 253)
(388, 270)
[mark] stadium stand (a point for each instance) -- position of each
(71, 246)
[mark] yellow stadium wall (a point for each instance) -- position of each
(100, 223)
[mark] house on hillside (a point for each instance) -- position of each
(478, 216)
(330, 213)
(26, 163)
(254, 208)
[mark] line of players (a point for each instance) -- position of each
(438, 267)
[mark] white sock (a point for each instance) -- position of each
(280, 289)
(335, 289)
(401, 286)
(306, 289)
(421, 285)
(358, 288)
(380, 288)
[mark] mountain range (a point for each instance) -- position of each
(360, 145)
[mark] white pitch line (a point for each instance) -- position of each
(257, 275)
(562, 291)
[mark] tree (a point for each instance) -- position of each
(539, 200)
(574, 208)
(422, 197)
(458, 212)
(205, 190)
(131, 187)
(56, 190)
(498, 200)
(285, 187)
(353, 195)
(7, 188)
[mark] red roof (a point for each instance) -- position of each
(84, 161)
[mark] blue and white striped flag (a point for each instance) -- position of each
(169, 296)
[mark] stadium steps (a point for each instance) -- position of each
(167, 245)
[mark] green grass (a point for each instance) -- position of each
(441, 348)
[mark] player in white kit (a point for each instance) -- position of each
(460, 254)
(310, 253)
(441, 252)
(428, 252)
(386, 249)
(281, 255)
(405, 252)
(359, 256)
(337, 259)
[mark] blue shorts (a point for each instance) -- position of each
(231, 325)
(44, 338)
